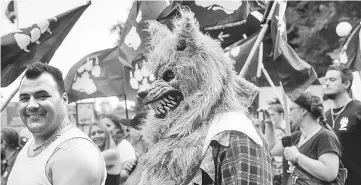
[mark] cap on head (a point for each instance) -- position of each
(136, 121)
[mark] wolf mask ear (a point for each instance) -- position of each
(157, 32)
(186, 28)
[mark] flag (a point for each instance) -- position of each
(100, 74)
(295, 74)
(134, 39)
(227, 21)
(10, 11)
(134, 34)
(351, 52)
(240, 53)
(35, 43)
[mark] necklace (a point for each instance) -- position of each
(310, 133)
(50, 138)
(337, 114)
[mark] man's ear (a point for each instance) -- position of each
(3, 144)
(65, 98)
(347, 84)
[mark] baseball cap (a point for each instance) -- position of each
(136, 121)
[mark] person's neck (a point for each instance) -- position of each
(341, 100)
(39, 139)
(309, 126)
(9, 153)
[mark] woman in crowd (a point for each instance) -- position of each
(314, 151)
(102, 138)
(118, 132)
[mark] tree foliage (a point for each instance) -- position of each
(311, 27)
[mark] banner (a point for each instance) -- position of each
(100, 74)
(35, 43)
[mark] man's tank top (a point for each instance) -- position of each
(31, 171)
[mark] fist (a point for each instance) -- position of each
(129, 165)
(291, 153)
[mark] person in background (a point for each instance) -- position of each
(9, 151)
(276, 114)
(59, 153)
(314, 150)
(102, 138)
(125, 148)
(345, 118)
(134, 136)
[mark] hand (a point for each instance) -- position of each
(267, 116)
(291, 153)
(129, 165)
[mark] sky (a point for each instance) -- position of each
(91, 33)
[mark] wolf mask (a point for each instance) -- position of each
(195, 80)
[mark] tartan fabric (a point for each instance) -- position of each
(242, 162)
(237, 160)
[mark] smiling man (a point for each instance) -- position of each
(59, 153)
(345, 119)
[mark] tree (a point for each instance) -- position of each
(118, 30)
(312, 29)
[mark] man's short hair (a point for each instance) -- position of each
(346, 73)
(10, 136)
(276, 107)
(34, 70)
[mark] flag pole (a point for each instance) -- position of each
(125, 93)
(258, 41)
(271, 83)
(260, 69)
(11, 96)
(286, 111)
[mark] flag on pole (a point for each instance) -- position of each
(351, 51)
(35, 43)
(295, 74)
(227, 21)
(100, 74)
(10, 12)
(134, 34)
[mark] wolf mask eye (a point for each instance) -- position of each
(181, 45)
(168, 76)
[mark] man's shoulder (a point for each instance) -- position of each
(356, 105)
(82, 146)
(79, 153)
(76, 156)
(79, 150)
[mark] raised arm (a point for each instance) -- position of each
(77, 162)
(275, 146)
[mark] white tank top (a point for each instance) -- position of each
(31, 171)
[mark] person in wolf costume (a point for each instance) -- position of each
(197, 131)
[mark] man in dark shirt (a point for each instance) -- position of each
(345, 118)
(9, 151)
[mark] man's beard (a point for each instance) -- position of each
(329, 96)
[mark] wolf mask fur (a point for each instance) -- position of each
(195, 80)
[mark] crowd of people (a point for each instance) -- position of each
(322, 147)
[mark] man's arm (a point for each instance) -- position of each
(77, 162)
